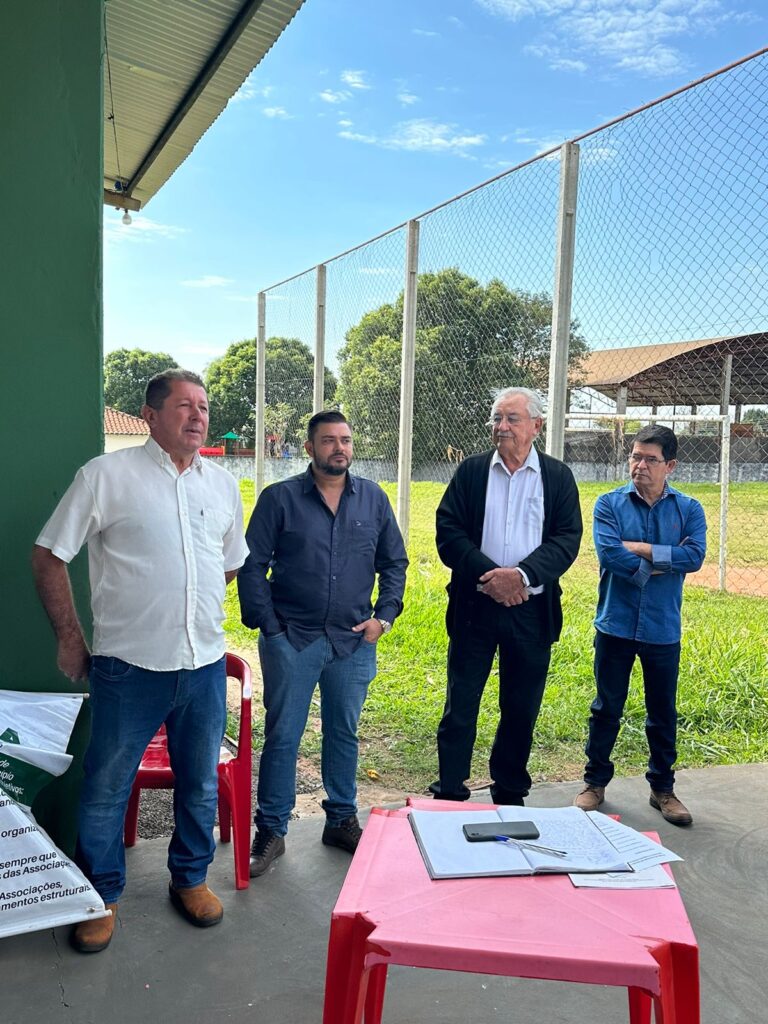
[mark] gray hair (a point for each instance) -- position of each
(533, 402)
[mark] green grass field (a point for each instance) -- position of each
(723, 698)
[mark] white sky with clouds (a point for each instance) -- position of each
(365, 114)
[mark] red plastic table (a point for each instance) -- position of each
(390, 911)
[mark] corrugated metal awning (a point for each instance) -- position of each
(170, 69)
(683, 372)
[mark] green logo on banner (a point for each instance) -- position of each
(11, 736)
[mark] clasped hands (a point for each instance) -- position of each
(505, 586)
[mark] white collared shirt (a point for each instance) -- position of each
(159, 543)
(514, 513)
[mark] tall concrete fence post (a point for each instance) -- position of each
(261, 389)
(319, 392)
(561, 299)
(407, 368)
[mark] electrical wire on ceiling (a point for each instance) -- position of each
(119, 184)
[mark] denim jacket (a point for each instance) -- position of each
(638, 599)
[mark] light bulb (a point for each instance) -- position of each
(127, 219)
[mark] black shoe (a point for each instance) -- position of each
(506, 797)
(267, 846)
(439, 794)
(345, 835)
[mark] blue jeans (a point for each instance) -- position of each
(128, 706)
(614, 657)
(290, 677)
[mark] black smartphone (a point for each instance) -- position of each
(484, 831)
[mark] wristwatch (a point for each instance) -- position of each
(385, 626)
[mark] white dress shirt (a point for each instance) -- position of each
(514, 513)
(159, 543)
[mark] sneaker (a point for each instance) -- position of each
(93, 936)
(198, 904)
(345, 835)
(672, 809)
(590, 798)
(267, 846)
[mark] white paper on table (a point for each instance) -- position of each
(654, 877)
(637, 849)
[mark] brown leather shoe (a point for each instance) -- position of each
(199, 905)
(672, 809)
(95, 935)
(590, 798)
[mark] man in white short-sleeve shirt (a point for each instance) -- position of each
(164, 530)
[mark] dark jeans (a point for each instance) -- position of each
(614, 657)
(128, 706)
(523, 664)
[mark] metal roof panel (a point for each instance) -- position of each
(154, 54)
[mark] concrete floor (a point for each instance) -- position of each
(265, 963)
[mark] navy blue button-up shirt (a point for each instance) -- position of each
(323, 566)
(641, 600)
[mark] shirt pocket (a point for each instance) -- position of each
(216, 524)
(533, 513)
(362, 537)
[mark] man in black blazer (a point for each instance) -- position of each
(508, 526)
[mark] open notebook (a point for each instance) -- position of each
(447, 854)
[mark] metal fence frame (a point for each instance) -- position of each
(562, 291)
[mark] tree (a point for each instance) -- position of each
(471, 339)
(757, 416)
(126, 372)
(231, 385)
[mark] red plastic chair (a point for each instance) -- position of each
(234, 779)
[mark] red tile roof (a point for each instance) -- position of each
(116, 422)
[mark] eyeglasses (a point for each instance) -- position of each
(512, 420)
(649, 460)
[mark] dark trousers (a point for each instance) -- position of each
(523, 664)
(614, 657)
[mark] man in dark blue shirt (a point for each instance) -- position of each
(647, 536)
(325, 535)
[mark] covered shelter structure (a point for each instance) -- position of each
(105, 101)
(722, 372)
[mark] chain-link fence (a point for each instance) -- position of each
(623, 277)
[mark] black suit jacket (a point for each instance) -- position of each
(460, 531)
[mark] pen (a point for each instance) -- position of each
(531, 846)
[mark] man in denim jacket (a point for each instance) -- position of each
(647, 536)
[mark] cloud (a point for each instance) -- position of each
(565, 64)
(539, 143)
(355, 79)
(424, 32)
(406, 98)
(345, 123)
(331, 96)
(249, 91)
(622, 35)
(278, 112)
(142, 230)
(552, 55)
(590, 152)
(208, 281)
(420, 135)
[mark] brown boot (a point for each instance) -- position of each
(673, 810)
(199, 905)
(95, 935)
(590, 798)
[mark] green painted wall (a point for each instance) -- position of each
(50, 321)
